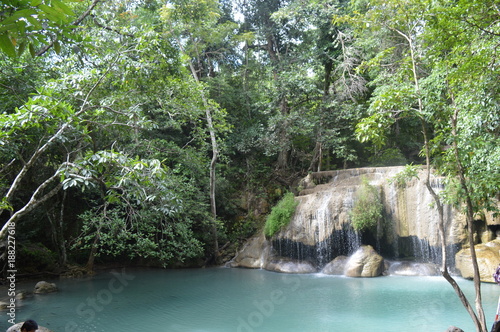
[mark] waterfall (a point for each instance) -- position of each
(321, 229)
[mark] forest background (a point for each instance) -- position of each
(162, 132)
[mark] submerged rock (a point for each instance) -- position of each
(43, 287)
(336, 267)
(290, 266)
(365, 262)
(412, 269)
(488, 257)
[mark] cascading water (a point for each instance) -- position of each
(321, 230)
(415, 222)
(341, 243)
(319, 236)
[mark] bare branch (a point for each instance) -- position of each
(110, 29)
(475, 25)
(33, 202)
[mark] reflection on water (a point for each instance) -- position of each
(222, 299)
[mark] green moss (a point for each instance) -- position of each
(280, 215)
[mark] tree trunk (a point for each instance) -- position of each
(56, 222)
(213, 162)
(470, 219)
(284, 152)
(479, 322)
(63, 259)
(442, 234)
(34, 202)
(90, 262)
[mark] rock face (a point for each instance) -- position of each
(322, 226)
(320, 230)
(365, 262)
(17, 328)
(43, 287)
(488, 258)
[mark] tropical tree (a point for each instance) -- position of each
(93, 128)
(310, 87)
(413, 77)
(195, 29)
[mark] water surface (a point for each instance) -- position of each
(221, 299)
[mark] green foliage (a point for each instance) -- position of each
(33, 23)
(367, 210)
(89, 114)
(280, 215)
(409, 173)
(119, 116)
(142, 233)
(145, 210)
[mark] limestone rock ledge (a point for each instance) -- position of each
(488, 258)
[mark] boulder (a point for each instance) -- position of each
(488, 258)
(365, 262)
(412, 269)
(290, 266)
(17, 328)
(454, 329)
(253, 255)
(336, 266)
(43, 287)
(22, 295)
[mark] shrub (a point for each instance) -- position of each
(410, 172)
(280, 215)
(367, 209)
